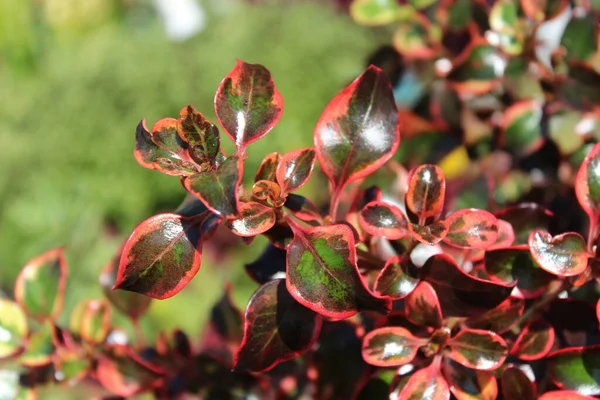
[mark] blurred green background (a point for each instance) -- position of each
(75, 79)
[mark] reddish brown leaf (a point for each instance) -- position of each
(390, 346)
(267, 169)
(562, 255)
(534, 341)
(471, 229)
(254, 219)
(201, 135)
(499, 319)
(469, 384)
(295, 168)
(506, 235)
(379, 218)
(303, 208)
(576, 368)
(430, 234)
(422, 306)
(397, 278)
(426, 384)
(564, 395)
(516, 385)
(478, 349)
(426, 192)
(269, 265)
(524, 218)
(587, 184)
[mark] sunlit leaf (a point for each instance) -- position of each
(522, 127)
(268, 167)
(40, 347)
(426, 192)
(422, 306)
(499, 319)
(540, 10)
(427, 383)
(417, 38)
(524, 218)
(255, 218)
(576, 368)
(95, 321)
(534, 341)
(201, 135)
(375, 12)
(478, 349)
(562, 255)
(379, 218)
(564, 395)
(13, 325)
(469, 384)
(397, 278)
(390, 346)
(471, 229)
(506, 235)
(429, 234)
(295, 168)
(587, 184)
(71, 365)
(516, 385)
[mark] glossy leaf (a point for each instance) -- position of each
(564, 395)
(397, 278)
(255, 218)
(358, 130)
(499, 319)
(426, 384)
(516, 385)
(587, 184)
(471, 229)
(322, 273)
(476, 68)
(506, 235)
(422, 306)
(13, 325)
(374, 12)
(379, 218)
(430, 234)
(302, 208)
(267, 169)
(562, 255)
(269, 265)
(469, 384)
(201, 135)
(277, 328)
(524, 218)
(40, 286)
(478, 349)
(267, 190)
(40, 347)
(522, 127)
(534, 341)
(295, 168)
(218, 189)
(160, 257)
(390, 346)
(247, 104)
(576, 368)
(426, 192)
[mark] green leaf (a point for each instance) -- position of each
(13, 326)
(561, 255)
(426, 192)
(587, 184)
(580, 27)
(478, 349)
(201, 135)
(254, 219)
(477, 68)
(397, 278)
(295, 168)
(375, 12)
(94, 324)
(471, 229)
(543, 10)
(576, 368)
(40, 347)
(423, 307)
(267, 169)
(499, 319)
(534, 341)
(71, 365)
(504, 16)
(416, 38)
(522, 132)
(382, 219)
(390, 346)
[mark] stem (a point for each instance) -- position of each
(335, 202)
(139, 334)
(591, 233)
(547, 298)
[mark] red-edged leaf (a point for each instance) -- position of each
(562, 255)
(501, 318)
(13, 325)
(323, 275)
(397, 278)
(218, 189)
(95, 321)
(515, 264)
(267, 190)
(247, 103)
(277, 328)
(598, 310)
(358, 130)
(522, 127)
(71, 365)
(254, 219)
(516, 385)
(587, 184)
(40, 347)
(390, 347)
(161, 256)
(468, 384)
(302, 208)
(379, 218)
(524, 218)
(422, 306)
(564, 395)
(226, 319)
(426, 384)
(269, 265)
(471, 229)
(201, 135)
(295, 168)
(267, 170)
(539, 10)
(459, 293)
(40, 286)
(577, 369)
(430, 234)
(506, 235)
(478, 349)
(426, 192)
(534, 341)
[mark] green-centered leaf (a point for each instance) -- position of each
(40, 347)
(322, 273)
(506, 235)
(375, 12)
(471, 229)
(534, 341)
(390, 346)
(504, 16)
(383, 219)
(522, 127)
(499, 319)
(277, 328)
(247, 104)
(541, 10)
(576, 368)
(587, 184)
(40, 286)
(71, 365)
(397, 279)
(161, 256)
(430, 234)
(423, 307)
(218, 189)
(95, 321)
(516, 265)
(564, 395)
(254, 219)
(358, 131)
(478, 349)
(516, 385)
(478, 66)
(426, 192)
(561, 255)
(426, 384)
(524, 218)
(469, 384)
(417, 38)
(201, 135)
(579, 27)
(295, 168)
(267, 170)
(13, 326)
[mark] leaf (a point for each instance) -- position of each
(268, 266)
(504, 16)
(461, 294)
(522, 127)
(540, 10)
(580, 27)
(71, 365)
(516, 385)
(358, 131)
(469, 384)
(267, 169)
(94, 323)
(471, 229)
(201, 135)
(506, 235)
(564, 395)
(40, 286)
(322, 273)
(576, 368)
(397, 278)
(295, 168)
(218, 189)
(587, 184)
(226, 319)
(40, 347)
(374, 12)
(422, 306)
(255, 218)
(476, 68)
(13, 325)
(276, 329)
(426, 384)
(426, 192)
(524, 218)
(247, 104)
(478, 349)
(390, 347)
(379, 218)
(161, 256)
(561, 255)
(416, 38)
(302, 208)
(267, 190)
(499, 319)
(534, 341)
(430, 234)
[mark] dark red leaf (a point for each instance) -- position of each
(426, 192)
(422, 306)
(471, 229)
(358, 130)
(302, 208)
(499, 319)
(426, 384)
(218, 189)
(524, 218)
(478, 349)
(322, 273)
(516, 385)
(587, 184)
(247, 104)
(201, 135)
(276, 328)
(226, 319)
(379, 218)
(562, 255)
(576, 368)
(295, 168)
(564, 395)
(390, 346)
(534, 341)
(255, 218)
(397, 278)
(161, 256)
(269, 265)
(469, 384)
(430, 234)
(268, 168)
